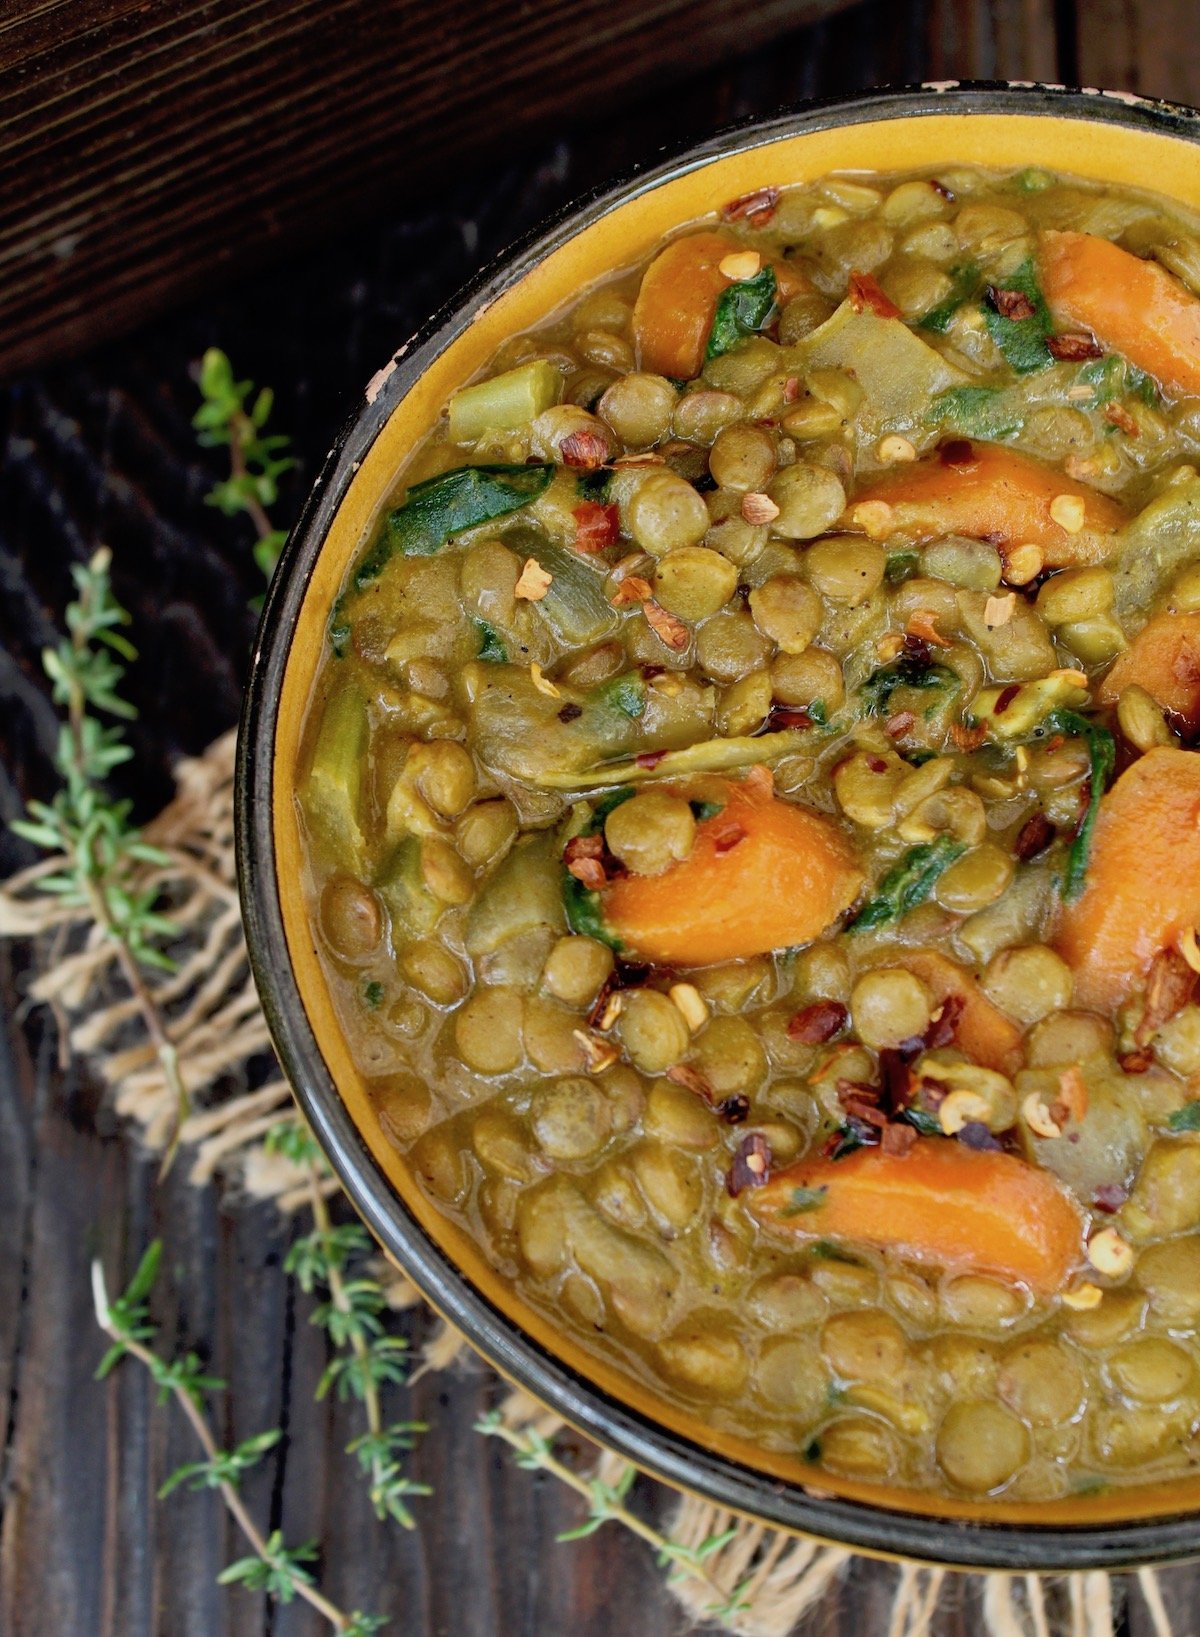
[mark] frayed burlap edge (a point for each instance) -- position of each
(213, 1019)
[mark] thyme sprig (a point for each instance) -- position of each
(607, 1503)
(367, 1357)
(103, 853)
(273, 1567)
(235, 413)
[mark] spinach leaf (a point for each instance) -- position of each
(901, 566)
(908, 883)
(909, 671)
(584, 911)
(594, 485)
(1022, 340)
(625, 693)
(923, 1121)
(804, 1199)
(443, 506)
(702, 810)
(1115, 377)
(1186, 1118)
(491, 643)
(964, 281)
(976, 412)
(743, 309)
(1102, 753)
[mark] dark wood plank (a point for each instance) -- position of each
(1146, 48)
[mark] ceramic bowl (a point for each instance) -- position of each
(1113, 138)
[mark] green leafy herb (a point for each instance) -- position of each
(1102, 754)
(743, 309)
(491, 644)
(923, 1121)
(1022, 340)
(585, 913)
(826, 1251)
(908, 671)
(372, 994)
(908, 883)
(803, 1200)
(976, 412)
(1115, 377)
(812, 1450)
(702, 810)
(900, 566)
(594, 485)
(818, 715)
(964, 283)
(338, 629)
(850, 1139)
(235, 414)
(436, 510)
(1186, 1118)
(625, 693)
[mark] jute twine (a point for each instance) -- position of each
(214, 1020)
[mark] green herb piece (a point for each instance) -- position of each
(594, 485)
(804, 1199)
(900, 566)
(818, 713)
(605, 805)
(826, 1251)
(504, 402)
(976, 412)
(373, 993)
(585, 913)
(849, 1141)
(964, 282)
(1115, 377)
(1186, 1118)
(338, 629)
(625, 693)
(908, 883)
(1088, 1483)
(923, 1121)
(812, 1450)
(702, 810)
(908, 671)
(1033, 180)
(1102, 754)
(256, 459)
(491, 644)
(1022, 340)
(436, 510)
(743, 309)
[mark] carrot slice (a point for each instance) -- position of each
(939, 1203)
(1164, 658)
(1132, 306)
(1143, 880)
(984, 1032)
(678, 298)
(986, 491)
(763, 874)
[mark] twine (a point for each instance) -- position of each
(212, 1017)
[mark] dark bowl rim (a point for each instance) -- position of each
(687, 1466)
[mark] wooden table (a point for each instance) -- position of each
(100, 450)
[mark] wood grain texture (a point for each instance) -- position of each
(100, 451)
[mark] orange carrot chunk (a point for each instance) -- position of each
(986, 491)
(1143, 878)
(678, 299)
(762, 874)
(1133, 306)
(939, 1203)
(983, 1032)
(1164, 658)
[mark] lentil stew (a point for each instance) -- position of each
(752, 806)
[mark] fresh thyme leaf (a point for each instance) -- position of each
(234, 413)
(1022, 340)
(1186, 1118)
(441, 507)
(908, 883)
(1102, 755)
(743, 309)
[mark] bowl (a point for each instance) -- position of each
(1107, 136)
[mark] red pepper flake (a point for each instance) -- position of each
(570, 712)
(940, 188)
(1073, 346)
(1014, 304)
(898, 1137)
(897, 726)
(596, 526)
(956, 452)
(865, 294)
(1136, 1062)
(1171, 985)
(815, 1024)
(791, 389)
(649, 759)
(943, 1026)
(859, 1105)
(666, 627)
(787, 716)
(876, 764)
(1034, 836)
(632, 589)
(585, 450)
(1110, 1196)
(757, 207)
(966, 738)
(726, 833)
(923, 625)
(1005, 699)
(1120, 417)
(584, 859)
(682, 1074)
(751, 1164)
(735, 1109)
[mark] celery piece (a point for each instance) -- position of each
(708, 756)
(898, 372)
(413, 909)
(524, 893)
(436, 510)
(574, 605)
(1163, 538)
(332, 792)
(505, 402)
